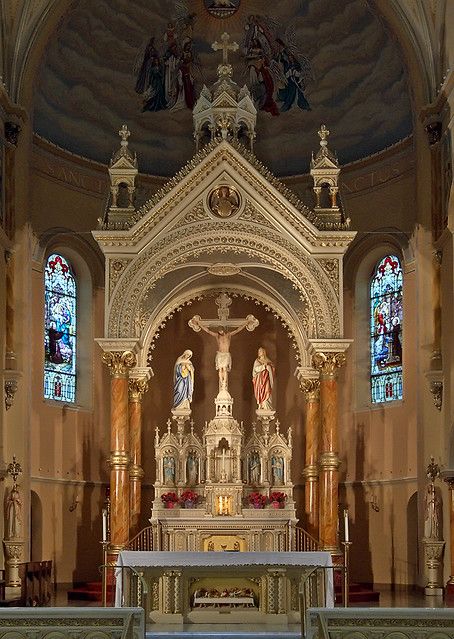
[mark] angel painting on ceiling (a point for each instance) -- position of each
(277, 71)
(165, 67)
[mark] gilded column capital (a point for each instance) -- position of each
(311, 389)
(328, 363)
(137, 389)
(119, 362)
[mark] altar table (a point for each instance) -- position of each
(277, 578)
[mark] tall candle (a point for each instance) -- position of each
(346, 530)
(104, 524)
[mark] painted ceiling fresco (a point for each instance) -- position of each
(143, 62)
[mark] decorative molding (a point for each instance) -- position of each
(224, 270)
(11, 386)
(435, 379)
(206, 238)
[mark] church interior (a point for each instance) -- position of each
(227, 292)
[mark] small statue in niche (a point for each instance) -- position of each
(169, 470)
(254, 468)
(277, 470)
(13, 514)
(431, 513)
(192, 469)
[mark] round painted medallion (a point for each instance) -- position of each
(222, 8)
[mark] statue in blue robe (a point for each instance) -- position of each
(183, 384)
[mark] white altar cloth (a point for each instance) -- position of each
(163, 559)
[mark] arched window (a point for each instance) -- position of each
(386, 330)
(60, 306)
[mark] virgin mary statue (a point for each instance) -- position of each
(183, 381)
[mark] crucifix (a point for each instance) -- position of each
(225, 47)
(223, 360)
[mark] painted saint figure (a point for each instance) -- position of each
(277, 470)
(183, 381)
(169, 470)
(263, 373)
(192, 469)
(13, 514)
(254, 468)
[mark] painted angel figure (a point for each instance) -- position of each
(296, 71)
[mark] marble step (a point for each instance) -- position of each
(218, 631)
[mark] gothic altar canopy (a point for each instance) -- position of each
(223, 228)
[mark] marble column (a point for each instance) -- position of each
(328, 364)
(119, 363)
(137, 389)
(311, 389)
(450, 584)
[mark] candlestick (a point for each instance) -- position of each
(346, 530)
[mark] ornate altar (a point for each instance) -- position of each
(242, 494)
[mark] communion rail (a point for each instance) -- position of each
(386, 623)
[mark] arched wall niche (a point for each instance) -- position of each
(88, 274)
(359, 268)
(290, 322)
(176, 336)
(228, 244)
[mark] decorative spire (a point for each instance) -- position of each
(122, 171)
(325, 173)
(224, 111)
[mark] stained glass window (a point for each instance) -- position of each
(386, 330)
(59, 330)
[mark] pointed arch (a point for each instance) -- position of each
(60, 312)
(386, 321)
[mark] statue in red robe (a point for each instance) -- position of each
(263, 374)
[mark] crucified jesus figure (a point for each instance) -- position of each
(223, 359)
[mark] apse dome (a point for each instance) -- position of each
(145, 63)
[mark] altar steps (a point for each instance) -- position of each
(89, 591)
(358, 593)
(221, 631)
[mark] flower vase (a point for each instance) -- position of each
(170, 504)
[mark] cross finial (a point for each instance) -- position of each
(225, 47)
(323, 134)
(124, 134)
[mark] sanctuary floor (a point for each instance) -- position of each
(401, 597)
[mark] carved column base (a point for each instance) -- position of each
(13, 557)
(433, 553)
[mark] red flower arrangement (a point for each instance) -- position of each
(189, 496)
(277, 496)
(169, 498)
(257, 500)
